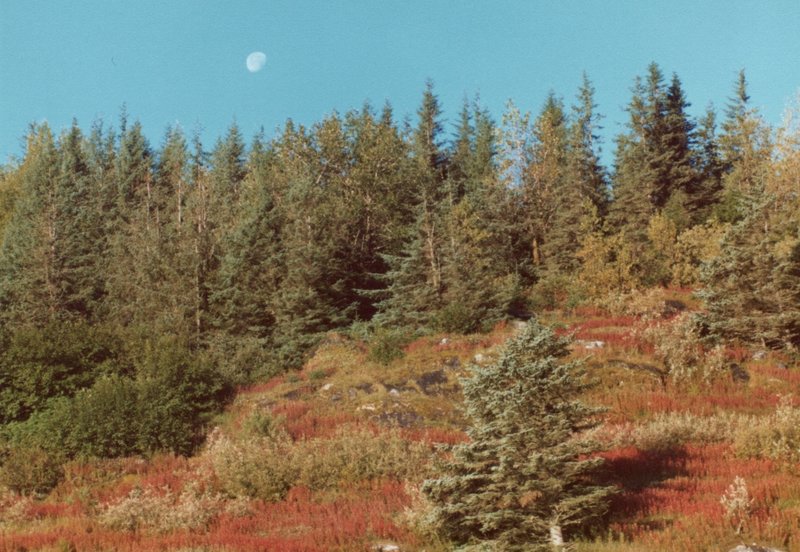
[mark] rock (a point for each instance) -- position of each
(394, 392)
(759, 355)
(352, 393)
(452, 362)
(366, 387)
(327, 387)
(398, 417)
(431, 379)
(444, 341)
(336, 397)
(672, 306)
(592, 344)
(753, 548)
(739, 373)
(294, 394)
(369, 407)
(478, 359)
(386, 547)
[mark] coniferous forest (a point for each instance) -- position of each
(367, 331)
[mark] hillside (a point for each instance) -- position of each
(329, 458)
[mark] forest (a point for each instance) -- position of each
(146, 291)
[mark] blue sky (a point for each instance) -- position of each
(184, 60)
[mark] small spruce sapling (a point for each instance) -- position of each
(525, 476)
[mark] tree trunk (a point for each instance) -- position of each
(556, 538)
(537, 255)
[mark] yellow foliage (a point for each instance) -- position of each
(608, 265)
(662, 233)
(695, 246)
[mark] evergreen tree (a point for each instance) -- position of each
(678, 144)
(10, 184)
(584, 189)
(50, 259)
(414, 279)
(746, 148)
(79, 230)
(375, 204)
(654, 162)
(29, 288)
(633, 181)
(524, 476)
(251, 268)
(544, 180)
(708, 190)
(480, 276)
(752, 289)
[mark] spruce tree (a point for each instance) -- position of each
(654, 161)
(707, 191)
(752, 289)
(544, 180)
(745, 147)
(678, 144)
(633, 179)
(480, 276)
(524, 477)
(414, 282)
(584, 189)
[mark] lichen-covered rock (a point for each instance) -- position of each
(753, 548)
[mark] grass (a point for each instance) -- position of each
(670, 465)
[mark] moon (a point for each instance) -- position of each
(256, 61)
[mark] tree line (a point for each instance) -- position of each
(128, 268)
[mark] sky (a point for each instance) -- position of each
(184, 61)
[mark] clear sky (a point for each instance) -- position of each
(184, 60)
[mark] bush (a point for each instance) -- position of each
(163, 512)
(254, 467)
(165, 408)
(58, 360)
(354, 455)
(776, 436)
(30, 470)
(648, 303)
(387, 345)
(267, 467)
(243, 360)
(555, 290)
(668, 431)
(677, 344)
(179, 392)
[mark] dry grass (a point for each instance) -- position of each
(326, 459)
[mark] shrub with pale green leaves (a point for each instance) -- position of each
(267, 466)
(677, 344)
(776, 436)
(670, 430)
(164, 512)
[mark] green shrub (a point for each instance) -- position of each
(101, 421)
(243, 360)
(179, 392)
(353, 455)
(316, 375)
(776, 436)
(253, 467)
(267, 467)
(387, 345)
(554, 290)
(166, 407)
(58, 360)
(30, 469)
